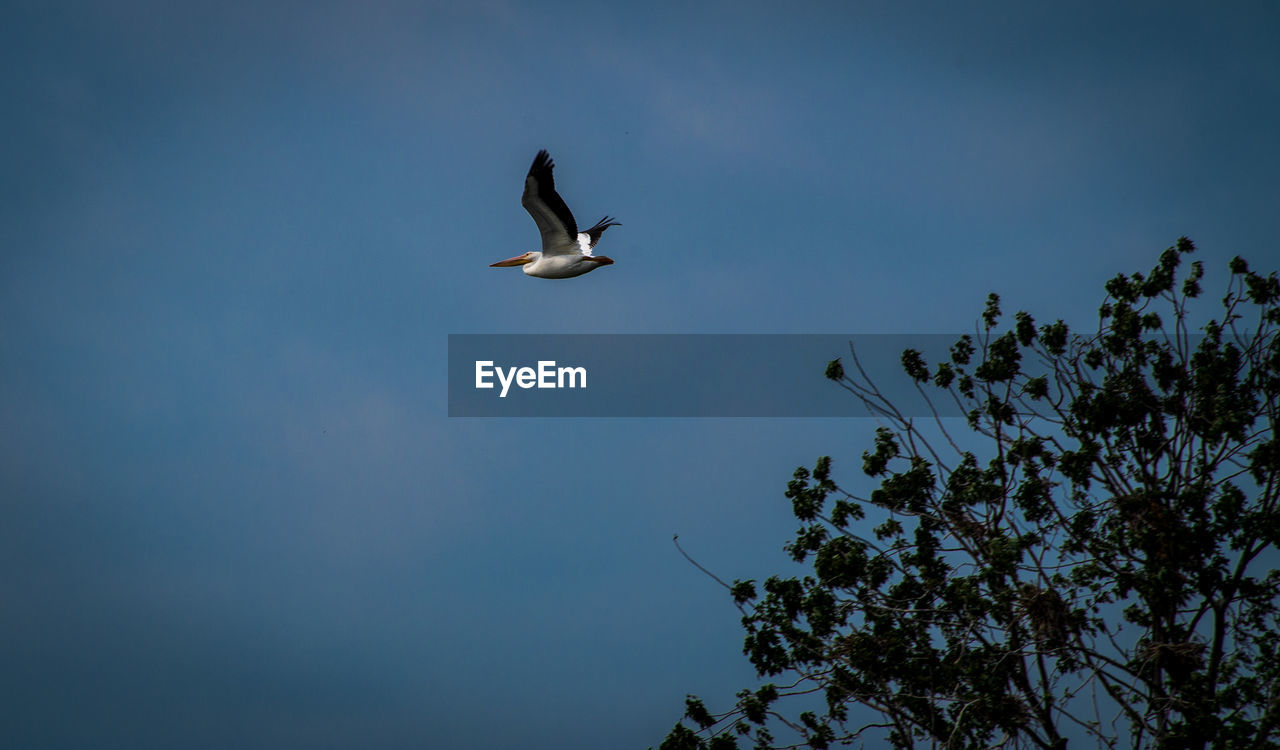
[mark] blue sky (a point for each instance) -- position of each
(236, 238)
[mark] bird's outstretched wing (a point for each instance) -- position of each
(589, 238)
(555, 222)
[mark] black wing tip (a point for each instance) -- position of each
(605, 223)
(542, 161)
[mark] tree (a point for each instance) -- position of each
(1100, 571)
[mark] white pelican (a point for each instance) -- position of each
(566, 252)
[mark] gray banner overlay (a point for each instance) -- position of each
(681, 375)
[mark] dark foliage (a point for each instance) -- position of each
(1098, 570)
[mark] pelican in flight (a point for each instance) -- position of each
(566, 252)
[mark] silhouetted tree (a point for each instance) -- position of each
(1100, 569)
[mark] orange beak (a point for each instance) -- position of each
(519, 260)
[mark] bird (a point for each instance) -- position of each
(566, 252)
